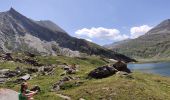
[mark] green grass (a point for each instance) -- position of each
(136, 86)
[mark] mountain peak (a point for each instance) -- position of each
(165, 22)
(12, 10)
(163, 27)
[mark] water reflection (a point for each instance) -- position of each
(156, 68)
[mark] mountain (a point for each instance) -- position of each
(19, 33)
(50, 25)
(115, 44)
(153, 44)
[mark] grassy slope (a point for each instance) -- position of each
(137, 86)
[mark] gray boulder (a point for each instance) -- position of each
(102, 72)
(121, 66)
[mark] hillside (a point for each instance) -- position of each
(19, 34)
(154, 44)
(135, 86)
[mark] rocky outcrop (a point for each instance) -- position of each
(57, 85)
(69, 69)
(102, 72)
(119, 68)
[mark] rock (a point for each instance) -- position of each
(7, 94)
(66, 67)
(67, 78)
(6, 73)
(18, 60)
(32, 62)
(30, 54)
(18, 70)
(3, 71)
(102, 72)
(22, 79)
(26, 77)
(10, 74)
(3, 80)
(70, 71)
(121, 73)
(121, 66)
(56, 86)
(7, 56)
(48, 69)
(32, 70)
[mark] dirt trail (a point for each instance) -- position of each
(7, 94)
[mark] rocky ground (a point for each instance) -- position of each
(80, 78)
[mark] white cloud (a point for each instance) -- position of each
(138, 31)
(106, 34)
(101, 33)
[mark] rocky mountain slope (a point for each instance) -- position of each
(19, 33)
(154, 44)
(116, 44)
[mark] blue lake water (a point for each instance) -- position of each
(162, 68)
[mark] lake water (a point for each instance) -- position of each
(156, 68)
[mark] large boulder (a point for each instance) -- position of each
(121, 66)
(102, 72)
(23, 79)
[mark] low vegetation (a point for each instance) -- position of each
(135, 86)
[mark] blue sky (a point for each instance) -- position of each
(99, 21)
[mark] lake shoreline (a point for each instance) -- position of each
(152, 60)
(161, 68)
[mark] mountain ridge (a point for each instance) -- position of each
(154, 44)
(19, 33)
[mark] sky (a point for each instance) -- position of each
(98, 21)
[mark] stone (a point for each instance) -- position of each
(121, 73)
(26, 77)
(30, 54)
(7, 56)
(10, 74)
(32, 70)
(32, 62)
(121, 66)
(2, 71)
(57, 85)
(3, 80)
(23, 79)
(102, 72)
(18, 60)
